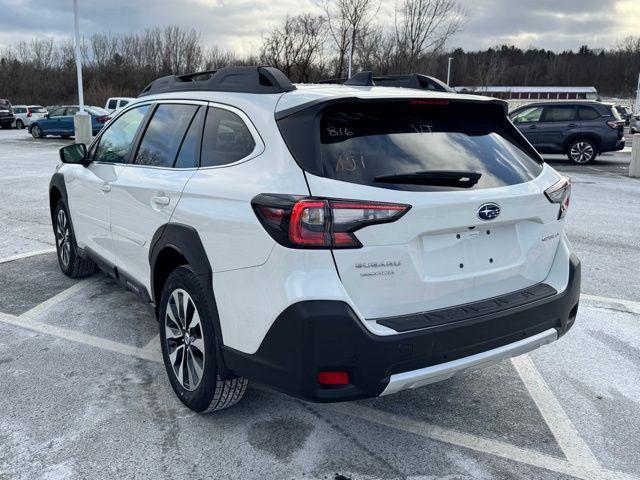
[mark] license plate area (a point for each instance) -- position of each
(468, 251)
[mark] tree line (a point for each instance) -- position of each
(309, 48)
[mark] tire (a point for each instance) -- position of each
(5, 125)
(582, 151)
(195, 381)
(36, 132)
(71, 264)
(19, 124)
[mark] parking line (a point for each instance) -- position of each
(629, 304)
(63, 295)
(573, 446)
(75, 336)
(26, 255)
(477, 443)
(452, 437)
(153, 344)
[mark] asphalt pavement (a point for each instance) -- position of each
(84, 394)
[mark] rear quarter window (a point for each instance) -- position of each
(226, 138)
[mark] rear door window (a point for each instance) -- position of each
(559, 113)
(361, 141)
(188, 156)
(226, 138)
(164, 135)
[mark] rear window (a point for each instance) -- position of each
(357, 142)
(37, 109)
(587, 113)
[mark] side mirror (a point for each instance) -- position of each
(76, 153)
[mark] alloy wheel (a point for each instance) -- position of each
(184, 339)
(581, 152)
(35, 132)
(63, 237)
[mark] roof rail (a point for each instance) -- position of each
(260, 79)
(410, 80)
(362, 79)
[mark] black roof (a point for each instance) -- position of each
(259, 79)
(411, 80)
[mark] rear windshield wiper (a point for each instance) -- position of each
(440, 178)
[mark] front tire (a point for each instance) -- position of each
(582, 152)
(188, 342)
(36, 132)
(71, 264)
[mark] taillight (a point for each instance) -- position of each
(28, 112)
(560, 193)
(308, 222)
(103, 119)
(614, 124)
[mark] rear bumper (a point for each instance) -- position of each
(322, 335)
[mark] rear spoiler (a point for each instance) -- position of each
(279, 115)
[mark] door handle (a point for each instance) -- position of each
(532, 127)
(105, 187)
(161, 200)
(572, 125)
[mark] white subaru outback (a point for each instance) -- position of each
(334, 242)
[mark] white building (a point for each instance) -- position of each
(533, 93)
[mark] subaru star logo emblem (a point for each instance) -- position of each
(488, 211)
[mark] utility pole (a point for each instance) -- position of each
(636, 108)
(449, 71)
(81, 120)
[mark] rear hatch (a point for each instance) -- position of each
(479, 225)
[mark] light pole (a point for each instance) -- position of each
(81, 120)
(449, 70)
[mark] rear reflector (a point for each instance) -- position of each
(333, 378)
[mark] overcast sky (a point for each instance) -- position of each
(239, 24)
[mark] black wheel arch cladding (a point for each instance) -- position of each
(185, 240)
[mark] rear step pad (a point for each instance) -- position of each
(468, 311)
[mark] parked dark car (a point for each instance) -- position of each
(59, 121)
(6, 114)
(580, 129)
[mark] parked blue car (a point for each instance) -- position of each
(59, 121)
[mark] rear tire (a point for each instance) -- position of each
(582, 151)
(19, 124)
(36, 132)
(71, 264)
(188, 342)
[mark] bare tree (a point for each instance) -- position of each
(347, 20)
(490, 67)
(295, 47)
(425, 26)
